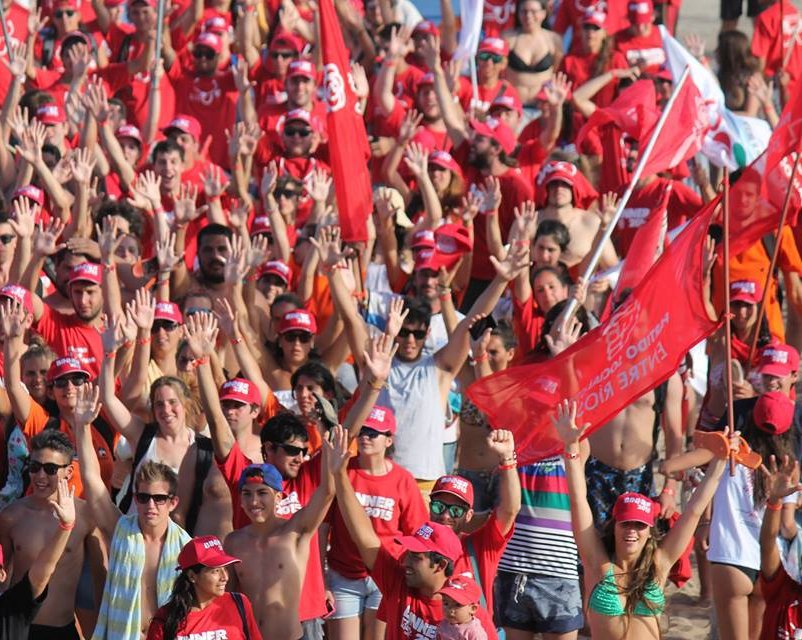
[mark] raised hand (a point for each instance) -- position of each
(23, 223)
(142, 309)
(87, 405)
(185, 209)
(429, 50)
(45, 239)
(563, 335)
(525, 225)
(490, 195)
(328, 245)
(360, 86)
(565, 423)
(36, 21)
(557, 89)
(502, 443)
(31, 140)
(17, 58)
(82, 164)
(395, 317)
(417, 159)
(782, 479)
(201, 331)
(12, 320)
(335, 450)
(64, 502)
(146, 191)
(695, 45)
(479, 346)
(258, 251)
(108, 238)
(237, 263)
(606, 212)
(213, 185)
(399, 43)
(18, 122)
(379, 357)
(409, 126)
(517, 259)
(318, 185)
(269, 178)
(471, 205)
(112, 335)
(227, 317)
(241, 80)
(81, 58)
(96, 100)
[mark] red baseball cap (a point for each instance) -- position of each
(431, 536)
(184, 124)
(303, 68)
(298, 320)
(462, 589)
(635, 507)
(508, 101)
(241, 390)
(18, 294)
(209, 40)
(206, 551)
(774, 412)
(261, 224)
(129, 131)
(32, 193)
(425, 79)
(423, 239)
(778, 360)
(456, 486)
(641, 12)
(276, 268)
(70, 4)
(453, 238)
(497, 46)
(51, 114)
(217, 24)
(109, 4)
(168, 311)
(65, 366)
(425, 27)
(746, 291)
(432, 260)
(150, 3)
(558, 171)
(86, 272)
(381, 419)
(498, 131)
(286, 41)
(595, 17)
(445, 160)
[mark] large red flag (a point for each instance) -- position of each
(639, 347)
(634, 111)
(683, 131)
(349, 151)
(784, 144)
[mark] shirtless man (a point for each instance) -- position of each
(148, 537)
(584, 227)
(27, 528)
(274, 550)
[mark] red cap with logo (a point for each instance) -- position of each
(507, 101)
(426, 28)
(65, 366)
(381, 419)
(746, 291)
(18, 294)
(496, 46)
(185, 124)
(498, 131)
(275, 268)
(86, 272)
(51, 114)
(774, 412)
(635, 507)
(129, 131)
(206, 551)
(32, 193)
(559, 171)
(303, 68)
(298, 320)
(641, 12)
(261, 224)
(425, 79)
(445, 160)
(217, 24)
(286, 41)
(423, 239)
(778, 360)
(456, 486)
(431, 536)
(595, 17)
(210, 40)
(241, 390)
(462, 589)
(168, 311)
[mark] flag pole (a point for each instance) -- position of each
(761, 310)
(6, 37)
(608, 232)
(159, 32)
(727, 323)
(474, 79)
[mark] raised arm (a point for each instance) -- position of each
(397, 49)
(141, 311)
(583, 94)
(378, 359)
(452, 113)
(502, 443)
(45, 563)
(417, 160)
(783, 480)
(13, 323)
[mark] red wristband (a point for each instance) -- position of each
(66, 527)
(143, 341)
(774, 507)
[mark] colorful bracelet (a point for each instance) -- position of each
(668, 491)
(66, 527)
(236, 341)
(482, 358)
(774, 506)
(143, 341)
(199, 361)
(110, 268)
(508, 467)
(570, 455)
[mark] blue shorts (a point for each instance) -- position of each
(537, 603)
(352, 597)
(605, 484)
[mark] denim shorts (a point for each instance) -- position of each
(352, 597)
(537, 603)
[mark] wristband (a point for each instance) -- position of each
(776, 506)
(66, 527)
(482, 358)
(389, 62)
(110, 268)
(199, 361)
(376, 385)
(109, 354)
(143, 341)
(508, 467)
(570, 455)
(128, 344)
(669, 492)
(327, 270)
(102, 121)
(236, 341)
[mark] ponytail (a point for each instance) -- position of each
(181, 601)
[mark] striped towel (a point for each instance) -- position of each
(120, 612)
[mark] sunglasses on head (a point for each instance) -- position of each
(297, 336)
(6, 238)
(292, 450)
(75, 381)
(203, 52)
(286, 193)
(368, 432)
(419, 334)
(168, 325)
(283, 54)
(60, 13)
(50, 468)
(158, 498)
(486, 55)
(454, 510)
(291, 132)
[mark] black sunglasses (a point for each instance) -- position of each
(282, 54)
(591, 27)
(158, 498)
(60, 13)
(454, 510)
(292, 131)
(486, 55)
(193, 310)
(286, 193)
(75, 381)
(6, 238)
(372, 433)
(50, 468)
(419, 334)
(168, 325)
(297, 336)
(203, 52)
(292, 450)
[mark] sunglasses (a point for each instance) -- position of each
(167, 325)
(297, 336)
(454, 510)
(419, 334)
(159, 499)
(193, 310)
(286, 193)
(372, 433)
(282, 54)
(50, 468)
(591, 27)
(292, 132)
(292, 450)
(75, 381)
(7, 238)
(486, 55)
(205, 53)
(60, 13)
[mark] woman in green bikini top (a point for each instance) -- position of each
(629, 564)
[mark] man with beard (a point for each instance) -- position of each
(214, 245)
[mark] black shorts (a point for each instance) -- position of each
(750, 573)
(43, 632)
(733, 9)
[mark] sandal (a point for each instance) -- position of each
(717, 443)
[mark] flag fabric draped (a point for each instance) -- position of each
(471, 17)
(634, 112)
(349, 150)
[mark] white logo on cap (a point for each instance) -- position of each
(425, 532)
(239, 386)
(301, 318)
(641, 503)
(746, 286)
(14, 291)
(333, 87)
(497, 43)
(447, 244)
(378, 414)
(640, 7)
(458, 483)
(213, 543)
(777, 356)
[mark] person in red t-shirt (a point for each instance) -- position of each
(394, 505)
(212, 613)
(641, 42)
(270, 75)
(777, 40)
(491, 62)
(17, 17)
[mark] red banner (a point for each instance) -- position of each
(349, 151)
(639, 347)
(780, 154)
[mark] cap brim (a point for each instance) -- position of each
(69, 373)
(641, 519)
(235, 398)
(83, 279)
(742, 298)
(457, 595)
(779, 370)
(413, 544)
(452, 493)
(220, 560)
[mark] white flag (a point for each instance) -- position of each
(471, 15)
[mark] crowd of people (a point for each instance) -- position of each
(222, 419)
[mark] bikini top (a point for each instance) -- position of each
(605, 599)
(516, 64)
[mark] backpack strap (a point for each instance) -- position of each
(475, 568)
(125, 46)
(203, 463)
(659, 407)
(142, 446)
(237, 597)
(48, 46)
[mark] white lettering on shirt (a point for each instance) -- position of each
(416, 628)
(378, 507)
(219, 634)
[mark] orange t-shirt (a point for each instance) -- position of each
(36, 423)
(753, 264)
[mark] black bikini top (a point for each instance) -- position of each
(516, 64)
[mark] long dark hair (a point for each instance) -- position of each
(766, 445)
(181, 601)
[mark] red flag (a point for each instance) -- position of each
(349, 151)
(683, 131)
(634, 111)
(780, 155)
(639, 347)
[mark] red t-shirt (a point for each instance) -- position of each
(394, 505)
(646, 48)
(486, 95)
(408, 614)
(579, 69)
(219, 619)
(783, 614)
(499, 16)
(766, 43)
(299, 168)
(570, 14)
(17, 26)
(71, 336)
(528, 321)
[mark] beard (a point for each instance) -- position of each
(478, 160)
